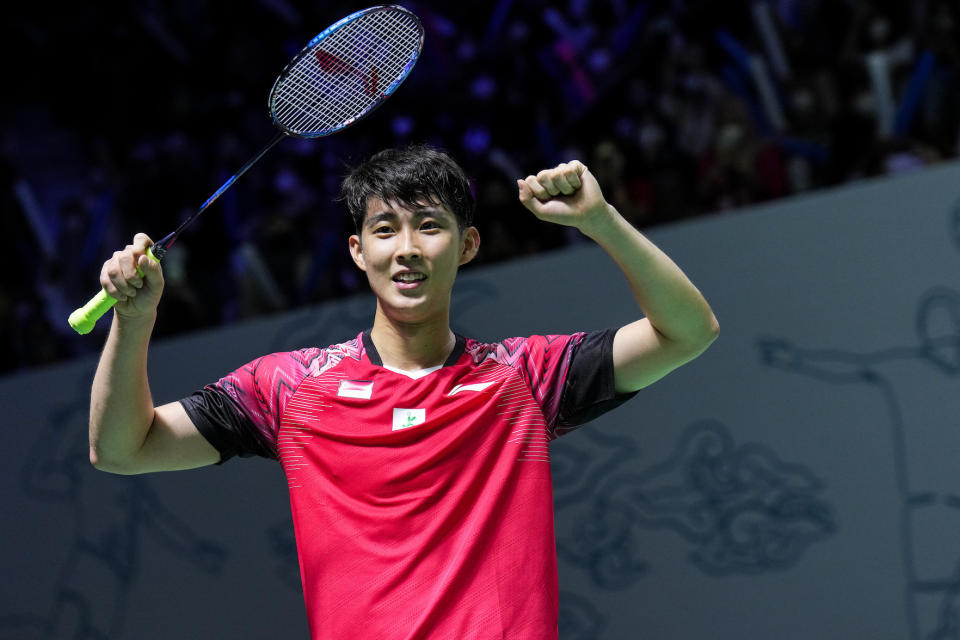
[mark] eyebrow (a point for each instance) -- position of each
(377, 218)
(390, 215)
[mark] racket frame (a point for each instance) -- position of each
(312, 47)
(83, 319)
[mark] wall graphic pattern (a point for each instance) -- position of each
(822, 423)
(917, 426)
(110, 516)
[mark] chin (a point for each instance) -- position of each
(419, 311)
(405, 309)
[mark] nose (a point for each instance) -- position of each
(407, 246)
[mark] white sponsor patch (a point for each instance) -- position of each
(406, 418)
(477, 386)
(355, 389)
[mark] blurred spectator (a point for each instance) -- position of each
(680, 108)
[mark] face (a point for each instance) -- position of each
(411, 257)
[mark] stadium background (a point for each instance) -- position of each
(797, 481)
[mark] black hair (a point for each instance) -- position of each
(410, 176)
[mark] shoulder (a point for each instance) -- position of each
(301, 363)
(512, 351)
(323, 359)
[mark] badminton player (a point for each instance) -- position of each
(417, 459)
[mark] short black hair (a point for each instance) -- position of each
(411, 176)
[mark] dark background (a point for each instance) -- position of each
(125, 117)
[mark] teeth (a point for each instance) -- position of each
(409, 277)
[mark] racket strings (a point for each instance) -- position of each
(352, 97)
(361, 91)
(347, 73)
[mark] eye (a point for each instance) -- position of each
(429, 225)
(382, 230)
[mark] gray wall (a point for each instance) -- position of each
(797, 481)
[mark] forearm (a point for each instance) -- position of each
(121, 407)
(671, 303)
(679, 324)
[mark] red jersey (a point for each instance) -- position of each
(422, 503)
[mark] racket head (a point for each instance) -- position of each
(346, 71)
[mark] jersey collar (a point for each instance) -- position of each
(374, 356)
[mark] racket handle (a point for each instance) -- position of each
(83, 319)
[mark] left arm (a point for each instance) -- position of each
(678, 324)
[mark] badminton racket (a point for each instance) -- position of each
(343, 74)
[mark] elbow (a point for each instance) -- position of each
(97, 461)
(100, 463)
(707, 334)
(713, 330)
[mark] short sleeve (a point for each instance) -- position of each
(542, 362)
(588, 389)
(225, 424)
(240, 413)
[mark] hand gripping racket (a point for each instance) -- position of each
(342, 75)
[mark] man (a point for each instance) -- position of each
(417, 459)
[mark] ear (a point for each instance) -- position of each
(356, 252)
(470, 244)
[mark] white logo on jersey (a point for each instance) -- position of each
(477, 386)
(362, 389)
(405, 418)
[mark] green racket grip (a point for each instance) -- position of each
(83, 319)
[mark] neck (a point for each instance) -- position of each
(412, 346)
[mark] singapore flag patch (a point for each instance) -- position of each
(362, 389)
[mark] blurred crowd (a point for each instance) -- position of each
(128, 121)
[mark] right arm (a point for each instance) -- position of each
(128, 434)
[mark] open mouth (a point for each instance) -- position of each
(409, 278)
